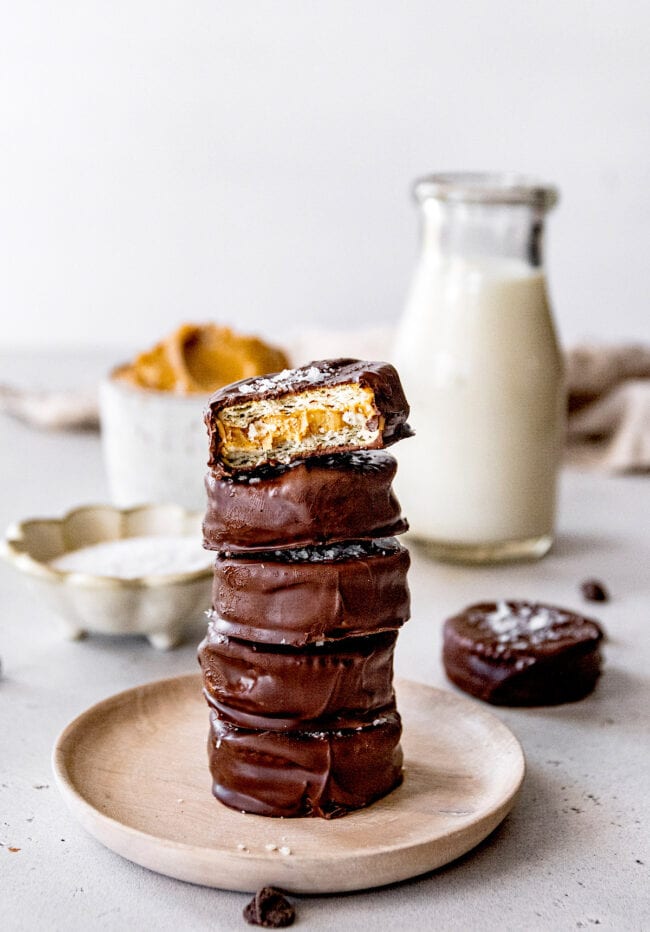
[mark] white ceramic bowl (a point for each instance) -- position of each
(155, 444)
(161, 607)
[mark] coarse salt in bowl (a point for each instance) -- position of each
(118, 571)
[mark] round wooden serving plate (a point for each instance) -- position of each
(133, 769)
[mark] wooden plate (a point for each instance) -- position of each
(133, 770)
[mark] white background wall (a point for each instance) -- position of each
(251, 161)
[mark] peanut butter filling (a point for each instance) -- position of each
(275, 429)
(201, 358)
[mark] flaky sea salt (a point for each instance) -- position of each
(216, 637)
(286, 380)
(132, 557)
(328, 553)
(516, 625)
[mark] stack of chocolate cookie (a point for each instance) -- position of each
(309, 590)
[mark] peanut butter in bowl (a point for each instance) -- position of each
(151, 411)
(200, 358)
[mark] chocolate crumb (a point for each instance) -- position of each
(594, 591)
(270, 909)
(13, 850)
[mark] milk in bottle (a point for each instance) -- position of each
(481, 366)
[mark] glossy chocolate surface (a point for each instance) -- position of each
(312, 594)
(321, 773)
(339, 685)
(343, 497)
(522, 653)
(380, 377)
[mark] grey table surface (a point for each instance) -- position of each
(575, 851)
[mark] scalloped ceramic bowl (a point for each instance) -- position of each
(161, 607)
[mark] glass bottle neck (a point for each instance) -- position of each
(483, 231)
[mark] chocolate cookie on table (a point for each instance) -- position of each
(521, 653)
(331, 498)
(328, 406)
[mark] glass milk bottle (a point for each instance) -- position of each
(480, 362)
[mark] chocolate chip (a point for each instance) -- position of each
(270, 909)
(594, 591)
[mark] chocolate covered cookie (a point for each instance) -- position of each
(522, 653)
(305, 773)
(312, 594)
(331, 498)
(327, 406)
(342, 684)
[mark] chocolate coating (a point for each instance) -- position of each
(520, 653)
(380, 377)
(331, 498)
(322, 773)
(341, 684)
(299, 597)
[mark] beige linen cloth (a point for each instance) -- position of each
(609, 408)
(608, 403)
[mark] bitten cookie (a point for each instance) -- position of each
(522, 653)
(327, 406)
